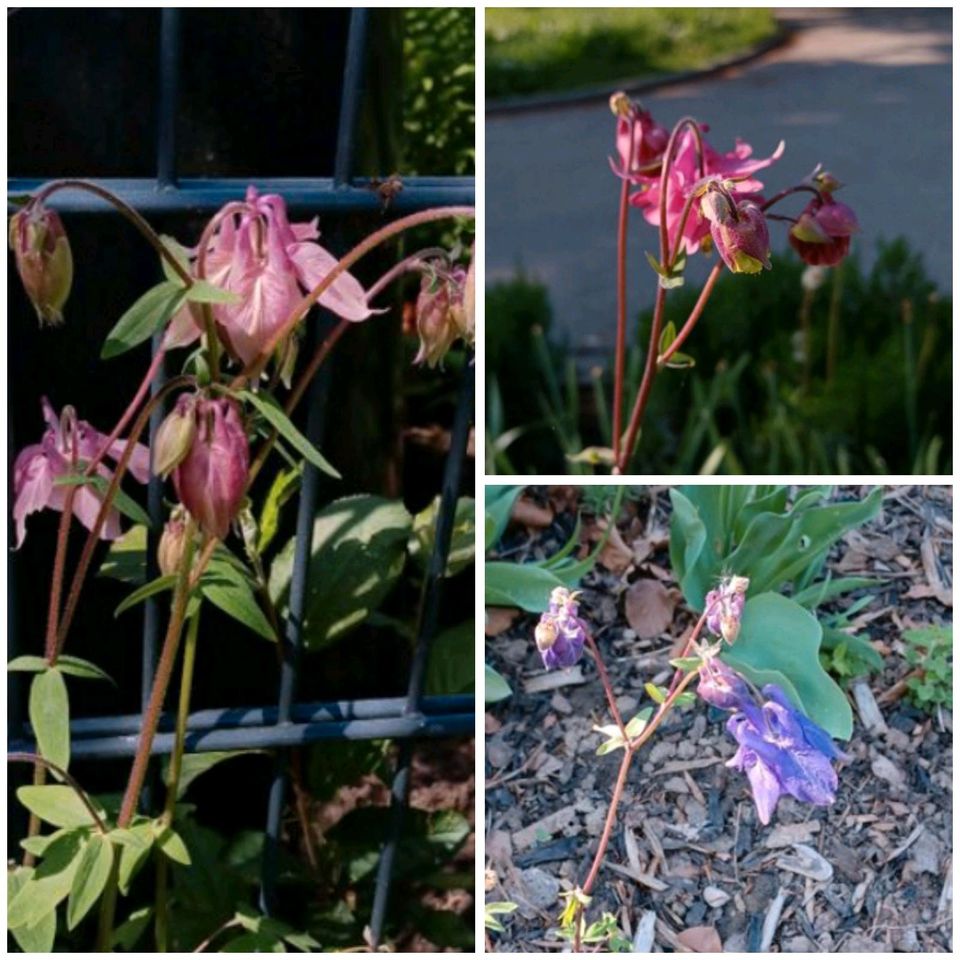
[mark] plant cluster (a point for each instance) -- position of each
(238, 302)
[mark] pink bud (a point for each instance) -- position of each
(740, 235)
(175, 436)
(441, 319)
(44, 260)
(211, 480)
(821, 235)
(172, 541)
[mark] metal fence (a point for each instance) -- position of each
(290, 724)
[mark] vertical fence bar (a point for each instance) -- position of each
(169, 87)
(429, 615)
(350, 100)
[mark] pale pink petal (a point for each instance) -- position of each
(139, 465)
(184, 328)
(86, 508)
(33, 486)
(345, 297)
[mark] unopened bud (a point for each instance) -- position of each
(441, 318)
(545, 634)
(44, 260)
(173, 540)
(175, 436)
(620, 104)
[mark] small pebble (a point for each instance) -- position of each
(715, 897)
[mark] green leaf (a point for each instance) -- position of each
(667, 336)
(194, 765)
(451, 665)
(122, 501)
(636, 726)
(461, 541)
(127, 935)
(39, 937)
(57, 804)
(654, 692)
(285, 485)
(828, 589)
(134, 855)
(76, 667)
(686, 664)
(148, 315)
(126, 559)
(274, 415)
(494, 686)
(358, 551)
(519, 585)
(28, 664)
(225, 587)
(779, 642)
(498, 506)
(38, 845)
(172, 845)
(680, 361)
(50, 883)
(90, 879)
(202, 291)
(180, 253)
(147, 590)
(50, 716)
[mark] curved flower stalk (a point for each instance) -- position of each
(701, 199)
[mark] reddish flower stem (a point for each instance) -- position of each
(798, 188)
(607, 688)
(695, 313)
(70, 781)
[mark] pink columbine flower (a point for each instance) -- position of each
(724, 607)
(641, 141)
(38, 466)
(268, 262)
(822, 233)
(212, 478)
(739, 233)
(735, 168)
(441, 314)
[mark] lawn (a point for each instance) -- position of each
(558, 49)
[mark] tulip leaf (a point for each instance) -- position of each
(50, 716)
(358, 551)
(498, 506)
(148, 315)
(90, 879)
(277, 419)
(494, 686)
(519, 585)
(779, 642)
(450, 668)
(39, 937)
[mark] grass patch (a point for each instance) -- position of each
(554, 49)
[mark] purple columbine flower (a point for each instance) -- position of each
(783, 751)
(561, 634)
(723, 687)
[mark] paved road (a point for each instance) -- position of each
(867, 91)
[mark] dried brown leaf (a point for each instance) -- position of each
(701, 940)
(649, 607)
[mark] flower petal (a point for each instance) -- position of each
(345, 297)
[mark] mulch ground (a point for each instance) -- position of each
(690, 865)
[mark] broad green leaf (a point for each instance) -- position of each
(828, 589)
(76, 667)
(122, 501)
(58, 805)
(358, 551)
(39, 937)
(494, 686)
(462, 538)
(148, 315)
(90, 879)
(38, 845)
(451, 665)
(50, 716)
(225, 587)
(275, 416)
(172, 845)
(147, 590)
(28, 664)
(779, 642)
(126, 559)
(285, 485)
(50, 883)
(519, 585)
(498, 505)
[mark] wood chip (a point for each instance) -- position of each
(547, 826)
(570, 677)
(807, 862)
(928, 555)
(867, 707)
(787, 834)
(646, 929)
(715, 897)
(909, 842)
(771, 920)
(644, 879)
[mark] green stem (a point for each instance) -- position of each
(161, 924)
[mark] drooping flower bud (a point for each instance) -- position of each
(721, 686)
(821, 235)
(724, 607)
(44, 260)
(440, 313)
(175, 436)
(561, 634)
(172, 542)
(739, 232)
(210, 481)
(641, 141)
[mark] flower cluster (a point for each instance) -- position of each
(561, 634)
(779, 748)
(67, 444)
(445, 307)
(724, 607)
(696, 172)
